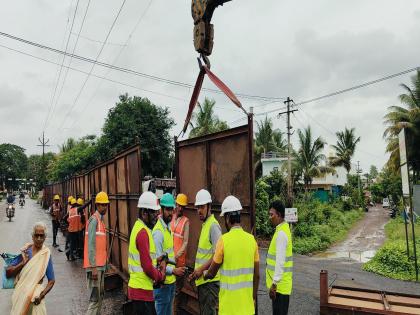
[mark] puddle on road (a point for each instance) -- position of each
(360, 256)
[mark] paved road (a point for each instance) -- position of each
(69, 294)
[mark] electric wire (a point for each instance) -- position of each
(124, 46)
(137, 73)
(52, 105)
(74, 49)
(93, 65)
(94, 75)
(96, 41)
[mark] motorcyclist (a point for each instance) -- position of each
(22, 197)
(10, 198)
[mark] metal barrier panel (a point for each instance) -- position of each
(223, 164)
(120, 177)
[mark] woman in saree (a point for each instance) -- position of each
(35, 264)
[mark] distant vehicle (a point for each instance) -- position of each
(10, 211)
(385, 203)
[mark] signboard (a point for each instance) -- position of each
(403, 163)
(291, 215)
(403, 149)
(404, 179)
(416, 199)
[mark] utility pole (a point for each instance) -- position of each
(43, 145)
(289, 161)
(359, 171)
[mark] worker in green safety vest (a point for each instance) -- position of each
(208, 290)
(279, 270)
(238, 260)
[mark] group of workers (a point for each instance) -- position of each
(226, 270)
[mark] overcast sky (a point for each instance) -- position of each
(276, 48)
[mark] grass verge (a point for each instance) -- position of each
(391, 259)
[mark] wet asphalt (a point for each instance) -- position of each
(70, 296)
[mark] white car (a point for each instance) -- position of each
(385, 203)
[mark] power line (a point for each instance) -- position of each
(94, 75)
(96, 41)
(74, 49)
(51, 108)
(358, 86)
(93, 65)
(116, 58)
(137, 73)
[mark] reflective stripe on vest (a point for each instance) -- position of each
(205, 249)
(178, 233)
(100, 243)
(167, 246)
(138, 278)
(237, 273)
(74, 220)
(285, 284)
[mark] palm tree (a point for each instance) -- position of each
(406, 116)
(345, 147)
(205, 121)
(68, 145)
(267, 139)
(309, 160)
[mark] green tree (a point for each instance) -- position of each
(309, 161)
(68, 145)
(345, 148)
(81, 157)
(373, 172)
(13, 164)
(267, 139)
(205, 121)
(137, 119)
(36, 167)
(405, 116)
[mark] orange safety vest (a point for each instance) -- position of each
(178, 233)
(100, 255)
(74, 220)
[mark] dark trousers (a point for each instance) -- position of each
(281, 304)
(208, 297)
(143, 308)
(80, 242)
(73, 238)
(55, 226)
(178, 292)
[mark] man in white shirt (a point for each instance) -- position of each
(279, 271)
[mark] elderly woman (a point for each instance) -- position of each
(35, 264)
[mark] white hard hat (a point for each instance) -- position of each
(148, 200)
(230, 204)
(203, 197)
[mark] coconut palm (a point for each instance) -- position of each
(205, 121)
(309, 160)
(405, 116)
(345, 147)
(267, 139)
(68, 145)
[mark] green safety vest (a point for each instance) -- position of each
(138, 278)
(205, 249)
(168, 246)
(285, 284)
(237, 273)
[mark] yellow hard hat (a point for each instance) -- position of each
(73, 201)
(182, 199)
(80, 201)
(101, 197)
(56, 197)
(69, 198)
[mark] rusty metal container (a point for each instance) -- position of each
(223, 164)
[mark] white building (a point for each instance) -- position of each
(272, 161)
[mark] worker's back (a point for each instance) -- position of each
(237, 273)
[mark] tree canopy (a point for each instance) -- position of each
(205, 121)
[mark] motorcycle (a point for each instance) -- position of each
(10, 211)
(21, 203)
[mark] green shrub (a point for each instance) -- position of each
(391, 260)
(262, 203)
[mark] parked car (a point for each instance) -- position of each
(385, 203)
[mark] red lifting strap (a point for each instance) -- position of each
(197, 88)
